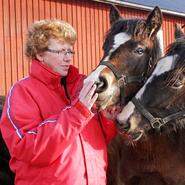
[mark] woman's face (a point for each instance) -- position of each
(58, 56)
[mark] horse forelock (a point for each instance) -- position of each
(121, 26)
(118, 40)
(176, 47)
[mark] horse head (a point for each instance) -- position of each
(159, 106)
(131, 50)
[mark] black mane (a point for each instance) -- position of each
(178, 48)
(122, 25)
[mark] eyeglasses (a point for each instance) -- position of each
(63, 52)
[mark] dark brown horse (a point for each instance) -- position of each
(154, 122)
(131, 50)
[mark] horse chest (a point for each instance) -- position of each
(151, 163)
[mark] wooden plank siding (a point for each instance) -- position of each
(89, 18)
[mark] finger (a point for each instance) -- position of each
(85, 89)
(93, 100)
(91, 92)
(87, 98)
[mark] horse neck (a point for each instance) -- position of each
(157, 148)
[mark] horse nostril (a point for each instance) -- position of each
(123, 126)
(101, 85)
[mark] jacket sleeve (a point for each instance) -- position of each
(32, 140)
(108, 127)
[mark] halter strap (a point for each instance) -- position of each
(117, 72)
(156, 122)
(122, 79)
(119, 75)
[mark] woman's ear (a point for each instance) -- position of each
(40, 57)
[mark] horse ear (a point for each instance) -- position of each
(154, 22)
(139, 29)
(114, 14)
(178, 31)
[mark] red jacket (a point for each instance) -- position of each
(53, 140)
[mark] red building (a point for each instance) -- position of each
(90, 18)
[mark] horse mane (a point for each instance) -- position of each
(119, 26)
(178, 48)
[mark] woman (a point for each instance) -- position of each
(47, 123)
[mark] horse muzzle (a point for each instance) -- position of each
(102, 85)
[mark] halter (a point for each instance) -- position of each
(156, 122)
(123, 80)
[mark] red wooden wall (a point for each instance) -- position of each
(90, 19)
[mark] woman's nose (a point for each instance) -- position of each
(67, 59)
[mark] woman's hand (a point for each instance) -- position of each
(87, 95)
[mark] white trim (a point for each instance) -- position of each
(67, 107)
(9, 110)
(140, 7)
(48, 121)
(32, 132)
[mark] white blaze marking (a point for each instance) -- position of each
(164, 65)
(126, 112)
(119, 39)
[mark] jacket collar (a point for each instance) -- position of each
(49, 77)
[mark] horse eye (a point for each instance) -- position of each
(177, 85)
(139, 51)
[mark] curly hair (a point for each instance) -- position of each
(41, 31)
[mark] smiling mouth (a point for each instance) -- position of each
(65, 67)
